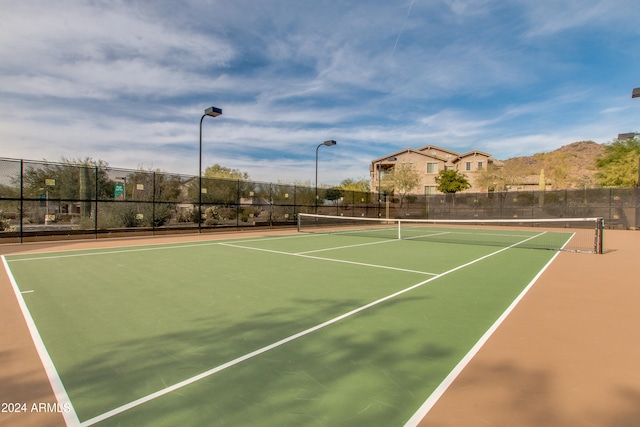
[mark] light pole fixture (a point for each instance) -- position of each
(636, 94)
(212, 112)
(328, 143)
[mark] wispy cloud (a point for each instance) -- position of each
(127, 81)
(547, 18)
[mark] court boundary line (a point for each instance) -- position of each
(123, 408)
(60, 392)
(343, 261)
(439, 391)
(346, 246)
(138, 248)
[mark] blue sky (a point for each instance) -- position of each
(127, 81)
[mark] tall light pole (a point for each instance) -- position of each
(635, 93)
(328, 143)
(213, 112)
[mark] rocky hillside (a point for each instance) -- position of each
(570, 166)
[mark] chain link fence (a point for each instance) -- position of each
(55, 201)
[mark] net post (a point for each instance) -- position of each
(599, 248)
(399, 232)
(299, 216)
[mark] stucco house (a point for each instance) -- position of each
(429, 160)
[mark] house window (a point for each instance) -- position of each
(448, 168)
(468, 166)
(479, 166)
(432, 168)
(429, 190)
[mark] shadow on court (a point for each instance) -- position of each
(367, 371)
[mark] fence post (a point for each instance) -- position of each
(295, 206)
(636, 207)
(153, 205)
(238, 201)
(270, 205)
(21, 198)
(95, 218)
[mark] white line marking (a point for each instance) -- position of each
(427, 235)
(27, 292)
(70, 417)
(367, 265)
(301, 255)
(354, 232)
(262, 350)
(347, 246)
(153, 247)
(123, 251)
(444, 385)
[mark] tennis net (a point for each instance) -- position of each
(561, 234)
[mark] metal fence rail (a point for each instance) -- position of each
(56, 201)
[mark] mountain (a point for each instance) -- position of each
(570, 166)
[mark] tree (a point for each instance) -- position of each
(218, 171)
(71, 180)
(403, 178)
(351, 184)
(147, 189)
(355, 190)
(221, 185)
(451, 181)
(333, 194)
(618, 166)
(492, 178)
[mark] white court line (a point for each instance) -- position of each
(153, 247)
(27, 292)
(123, 251)
(446, 383)
(302, 255)
(347, 246)
(70, 417)
(427, 235)
(455, 233)
(262, 350)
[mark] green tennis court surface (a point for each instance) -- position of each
(305, 329)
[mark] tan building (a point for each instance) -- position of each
(429, 160)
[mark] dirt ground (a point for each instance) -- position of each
(566, 356)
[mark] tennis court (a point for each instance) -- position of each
(295, 329)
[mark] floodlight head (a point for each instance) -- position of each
(636, 93)
(213, 111)
(329, 143)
